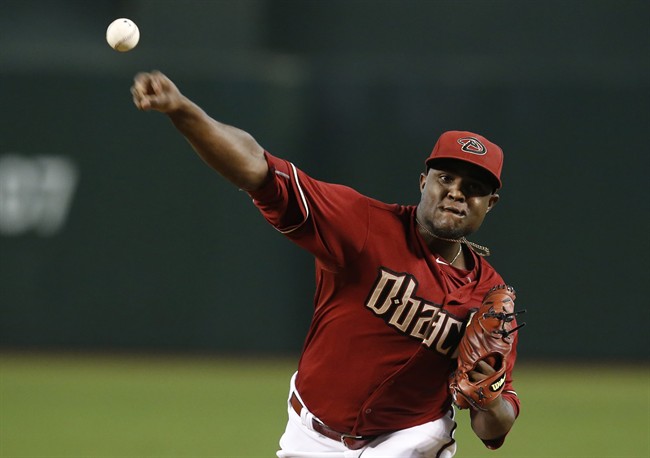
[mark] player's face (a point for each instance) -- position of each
(455, 198)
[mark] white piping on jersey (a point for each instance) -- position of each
(302, 197)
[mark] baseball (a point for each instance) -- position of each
(122, 34)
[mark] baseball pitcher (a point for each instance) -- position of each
(408, 317)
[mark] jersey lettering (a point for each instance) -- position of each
(394, 299)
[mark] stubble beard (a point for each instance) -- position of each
(447, 232)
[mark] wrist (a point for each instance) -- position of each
(183, 108)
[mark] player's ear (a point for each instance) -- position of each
(494, 198)
(423, 181)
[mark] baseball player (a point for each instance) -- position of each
(395, 288)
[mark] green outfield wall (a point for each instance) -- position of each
(114, 235)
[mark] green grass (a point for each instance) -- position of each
(110, 406)
(575, 411)
(140, 407)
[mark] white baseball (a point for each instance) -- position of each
(122, 34)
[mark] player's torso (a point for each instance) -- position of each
(392, 317)
(388, 314)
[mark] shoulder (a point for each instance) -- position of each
(489, 277)
(485, 265)
(381, 213)
(396, 210)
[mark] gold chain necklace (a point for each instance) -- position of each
(478, 249)
(460, 250)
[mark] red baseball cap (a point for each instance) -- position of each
(469, 147)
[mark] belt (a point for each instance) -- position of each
(350, 441)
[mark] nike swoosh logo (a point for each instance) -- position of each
(440, 261)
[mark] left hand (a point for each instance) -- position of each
(482, 371)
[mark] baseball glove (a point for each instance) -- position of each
(488, 337)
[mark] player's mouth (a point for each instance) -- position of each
(454, 211)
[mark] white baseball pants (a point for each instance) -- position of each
(430, 440)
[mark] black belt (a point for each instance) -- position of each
(350, 441)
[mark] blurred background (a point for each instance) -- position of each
(116, 238)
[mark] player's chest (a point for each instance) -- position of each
(419, 308)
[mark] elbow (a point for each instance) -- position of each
(256, 173)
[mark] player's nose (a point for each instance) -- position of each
(455, 190)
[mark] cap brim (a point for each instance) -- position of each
(496, 182)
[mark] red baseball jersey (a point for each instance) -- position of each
(388, 312)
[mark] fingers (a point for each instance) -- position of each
(141, 90)
(482, 371)
(139, 98)
(485, 368)
(149, 90)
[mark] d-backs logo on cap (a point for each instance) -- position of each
(472, 145)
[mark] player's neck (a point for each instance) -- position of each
(455, 257)
(449, 251)
(437, 243)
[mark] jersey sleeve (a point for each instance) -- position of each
(328, 220)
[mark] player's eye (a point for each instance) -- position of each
(475, 188)
(445, 178)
